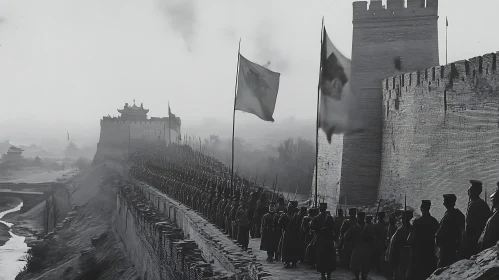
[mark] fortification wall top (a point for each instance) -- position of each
(162, 121)
(395, 10)
(444, 76)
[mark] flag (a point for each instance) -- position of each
(446, 22)
(256, 90)
(335, 96)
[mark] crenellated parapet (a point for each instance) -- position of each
(394, 11)
(441, 78)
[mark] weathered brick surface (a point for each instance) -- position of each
(441, 132)
(156, 247)
(214, 246)
(329, 163)
(379, 36)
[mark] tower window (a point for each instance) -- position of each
(398, 63)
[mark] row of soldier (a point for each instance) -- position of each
(290, 234)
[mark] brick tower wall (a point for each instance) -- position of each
(440, 130)
(381, 37)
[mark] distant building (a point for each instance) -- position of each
(13, 155)
(133, 130)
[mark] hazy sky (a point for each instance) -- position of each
(64, 64)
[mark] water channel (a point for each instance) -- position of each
(12, 253)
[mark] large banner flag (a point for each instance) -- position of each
(256, 89)
(336, 98)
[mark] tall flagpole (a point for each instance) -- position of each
(234, 119)
(169, 124)
(317, 120)
(446, 28)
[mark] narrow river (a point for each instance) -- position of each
(12, 253)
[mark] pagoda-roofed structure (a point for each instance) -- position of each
(13, 155)
(133, 113)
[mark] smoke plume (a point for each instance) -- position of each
(181, 15)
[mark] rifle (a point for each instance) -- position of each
(377, 211)
(295, 192)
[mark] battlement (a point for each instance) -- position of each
(444, 76)
(116, 120)
(394, 11)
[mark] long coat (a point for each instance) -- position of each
(309, 237)
(325, 256)
(261, 210)
(476, 217)
(422, 241)
(270, 238)
(448, 237)
(362, 238)
(490, 234)
(346, 247)
(398, 251)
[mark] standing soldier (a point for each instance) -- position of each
(422, 241)
(270, 238)
(448, 236)
(490, 234)
(323, 226)
(347, 247)
(243, 224)
(301, 239)
(378, 245)
(396, 252)
(261, 210)
(290, 236)
(361, 236)
(477, 214)
(309, 236)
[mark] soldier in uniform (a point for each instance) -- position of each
(490, 234)
(309, 236)
(477, 214)
(422, 241)
(397, 255)
(261, 210)
(378, 244)
(360, 234)
(243, 224)
(290, 236)
(270, 238)
(301, 239)
(448, 236)
(347, 247)
(323, 226)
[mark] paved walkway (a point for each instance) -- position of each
(279, 273)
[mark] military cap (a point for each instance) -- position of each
(475, 184)
(340, 211)
(352, 211)
(369, 217)
(303, 209)
(450, 198)
(361, 214)
(313, 211)
(426, 203)
(293, 203)
(322, 205)
(381, 214)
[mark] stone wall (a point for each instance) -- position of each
(382, 37)
(328, 178)
(155, 246)
(214, 245)
(441, 129)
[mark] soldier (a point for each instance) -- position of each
(397, 255)
(301, 239)
(251, 210)
(360, 234)
(323, 226)
(477, 214)
(243, 224)
(261, 210)
(232, 215)
(448, 236)
(369, 220)
(270, 238)
(422, 241)
(278, 231)
(309, 236)
(281, 206)
(490, 234)
(290, 236)
(347, 247)
(378, 245)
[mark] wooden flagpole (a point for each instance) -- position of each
(169, 124)
(234, 118)
(317, 120)
(446, 28)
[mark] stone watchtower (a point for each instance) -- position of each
(386, 41)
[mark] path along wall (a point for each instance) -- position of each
(155, 246)
(441, 129)
(214, 245)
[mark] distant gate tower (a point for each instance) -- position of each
(386, 40)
